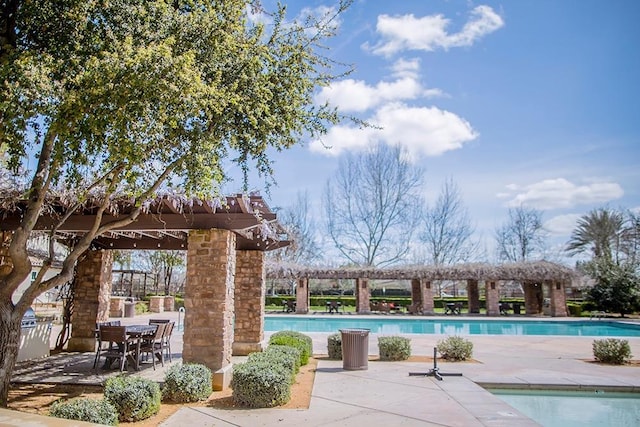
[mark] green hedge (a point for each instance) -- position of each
(294, 339)
(134, 398)
(265, 379)
(98, 411)
(263, 382)
(189, 382)
(394, 348)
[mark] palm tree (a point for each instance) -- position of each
(599, 231)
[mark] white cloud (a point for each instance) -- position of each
(429, 33)
(562, 225)
(422, 131)
(406, 68)
(357, 96)
(561, 193)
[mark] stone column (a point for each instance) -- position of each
(92, 298)
(116, 307)
(532, 298)
(473, 293)
(362, 296)
(302, 296)
(427, 297)
(250, 291)
(558, 299)
(416, 294)
(209, 302)
(156, 304)
(492, 296)
(169, 303)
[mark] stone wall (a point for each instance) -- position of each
(92, 298)
(250, 290)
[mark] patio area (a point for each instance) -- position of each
(385, 394)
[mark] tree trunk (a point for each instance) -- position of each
(10, 321)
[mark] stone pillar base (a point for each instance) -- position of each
(81, 344)
(156, 304)
(246, 348)
(169, 303)
(222, 378)
(116, 307)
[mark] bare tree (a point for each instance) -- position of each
(372, 206)
(297, 220)
(163, 264)
(447, 229)
(522, 236)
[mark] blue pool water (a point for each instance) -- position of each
(395, 325)
(575, 409)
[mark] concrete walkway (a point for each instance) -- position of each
(385, 394)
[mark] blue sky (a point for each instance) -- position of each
(531, 102)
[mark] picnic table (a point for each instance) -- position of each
(453, 308)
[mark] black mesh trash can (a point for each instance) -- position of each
(355, 349)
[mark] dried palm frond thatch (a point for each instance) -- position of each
(524, 271)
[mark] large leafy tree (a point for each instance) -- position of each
(612, 238)
(128, 96)
(372, 206)
(616, 286)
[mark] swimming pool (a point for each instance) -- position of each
(397, 325)
(553, 408)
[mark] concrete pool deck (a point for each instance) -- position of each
(385, 394)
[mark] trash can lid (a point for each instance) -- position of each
(355, 331)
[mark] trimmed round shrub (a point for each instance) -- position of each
(261, 384)
(134, 398)
(612, 351)
(289, 356)
(394, 348)
(98, 411)
(334, 345)
(190, 382)
(273, 361)
(455, 348)
(297, 340)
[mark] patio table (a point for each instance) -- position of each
(137, 333)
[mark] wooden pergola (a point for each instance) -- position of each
(164, 223)
(534, 276)
(225, 241)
